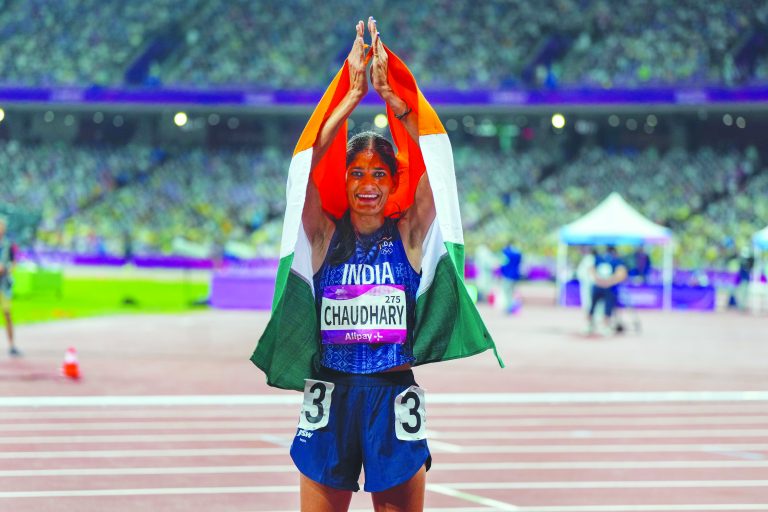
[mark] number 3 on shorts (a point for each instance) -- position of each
(317, 404)
(410, 415)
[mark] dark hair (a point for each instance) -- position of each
(375, 142)
(344, 245)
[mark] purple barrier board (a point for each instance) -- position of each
(143, 261)
(261, 97)
(699, 298)
(243, 289)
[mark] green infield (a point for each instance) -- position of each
(79, 296)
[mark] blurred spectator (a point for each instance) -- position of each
(744, 276)
(609, 271)
(7, 259)
(585, 275)
(642, 266)
(510, 273)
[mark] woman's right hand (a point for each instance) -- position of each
(358, 82)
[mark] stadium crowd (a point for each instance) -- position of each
(492, 44)
(104, 198)
(95, 200)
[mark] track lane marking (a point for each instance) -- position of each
(431, 434)
(434, 398)
(720, 449)
(555, 410)
(440, 422)
(472, 498)
(130, 454)
(448, 466)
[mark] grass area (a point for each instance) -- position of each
(88, 296)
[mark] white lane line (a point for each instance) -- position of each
(611, 508)
(480, 500)
(641, 464)
(249, 425)
(599, 422)
(613, 484)
(138, 438)
(442, 446)
(187, 470)
(719, 449)
(130, 454)
(273, 411)
(602, 508)
(437, 435)
(282, 489)
(434, 398)
(223, 424)
(598, 434)
(181, 414)
(467, 466)
(649, 508)
(266, 489)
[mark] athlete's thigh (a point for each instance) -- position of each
(316, 497)
(407, 497)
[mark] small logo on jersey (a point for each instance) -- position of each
(386, 246)
(304, 433)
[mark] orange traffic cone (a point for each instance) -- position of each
(70, 367)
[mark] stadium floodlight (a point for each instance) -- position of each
(2, 115)
(558, 121)
(180, 119)
(380, 121)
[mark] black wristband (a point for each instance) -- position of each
(401, 116)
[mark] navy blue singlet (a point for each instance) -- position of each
(366, 304)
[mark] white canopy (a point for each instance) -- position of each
(758, 294)
(614, 222)
(760, 239)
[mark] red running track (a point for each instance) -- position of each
(674, 419)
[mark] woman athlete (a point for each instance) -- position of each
(365, 409)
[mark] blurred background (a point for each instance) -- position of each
(158, 134)
(144, 151)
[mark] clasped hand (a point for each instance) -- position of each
(358, 61)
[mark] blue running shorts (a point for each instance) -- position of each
(349, 421)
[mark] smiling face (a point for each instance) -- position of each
(369, 183)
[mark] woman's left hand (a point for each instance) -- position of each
(379, 62)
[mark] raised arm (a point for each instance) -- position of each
(419, 217)
(317, 225)
(381, 84)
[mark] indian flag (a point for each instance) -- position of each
(448, 326)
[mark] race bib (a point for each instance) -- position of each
(410, 415)
(366, 313)
(316, 408)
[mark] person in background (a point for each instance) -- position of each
(642, 266)
(743, 278)
(510, 273)
(584, 273)
(609, 271)
(6, 268)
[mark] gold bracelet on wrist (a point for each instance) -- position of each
(400, 117)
